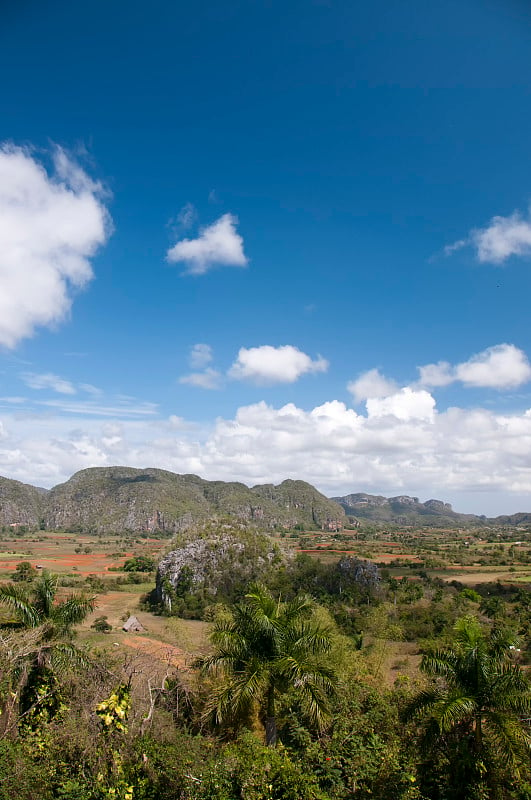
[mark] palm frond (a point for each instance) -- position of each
(44, 593)
(73, 610)
(16, 599)
(266, 648)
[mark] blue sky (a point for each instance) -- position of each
(262, 240)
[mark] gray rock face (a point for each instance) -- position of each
(215, 564)
(438, 505)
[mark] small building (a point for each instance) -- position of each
(133, 624)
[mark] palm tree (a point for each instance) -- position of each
(264, 649)
(38, 606)
(473, 712)
(48, 649)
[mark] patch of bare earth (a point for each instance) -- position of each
(161, 651)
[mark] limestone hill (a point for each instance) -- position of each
(121, 498)
(405, 510)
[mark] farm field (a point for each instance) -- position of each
(69, 552)
(95, 564)
(469, 556)
(92, 564)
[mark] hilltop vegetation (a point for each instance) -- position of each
(20, 503)
(114, 499)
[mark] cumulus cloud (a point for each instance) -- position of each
(208, 379)
(401, 444)
(407, 404)
(501, 238)
(371, 384)
(439, 374)
(200, 355)
(503, 366)
(217, 244)
(51, 224)
(48, 381)
(268, 365)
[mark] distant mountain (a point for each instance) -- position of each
(122, 498)
(115, 499)
(405, 510)
(20, 503)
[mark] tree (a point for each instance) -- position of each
(357, 577)
(261, 651)
(139, 564)
(24, 572)
(493, 607)
(472, 714)
(37, 606)
(33, 675)
(101, 624)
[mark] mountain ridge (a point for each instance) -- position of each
(407, 510)
(107, 499)
(101, 499)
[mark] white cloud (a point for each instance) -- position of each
(48, 381)
(200, 355)
(177, 423)
(407, 404)
(126, 409)
(217, 244)
(371, 384)
(268, 365)
(401, 445)
(440, 374)
(503, 366)
(50, 227)
(208, 379)
(501, 238)
(90, 389)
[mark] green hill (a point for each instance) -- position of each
(122, 498)
(20, 503)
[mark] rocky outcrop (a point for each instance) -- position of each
(215, 563)
(438, 506)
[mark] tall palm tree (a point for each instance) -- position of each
(49, 648)
(473, 712)
(264, 649)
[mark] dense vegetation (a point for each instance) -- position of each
(297, 696)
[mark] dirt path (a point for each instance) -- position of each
(163, 652)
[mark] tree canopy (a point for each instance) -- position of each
(264, 649)
(471, 714)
